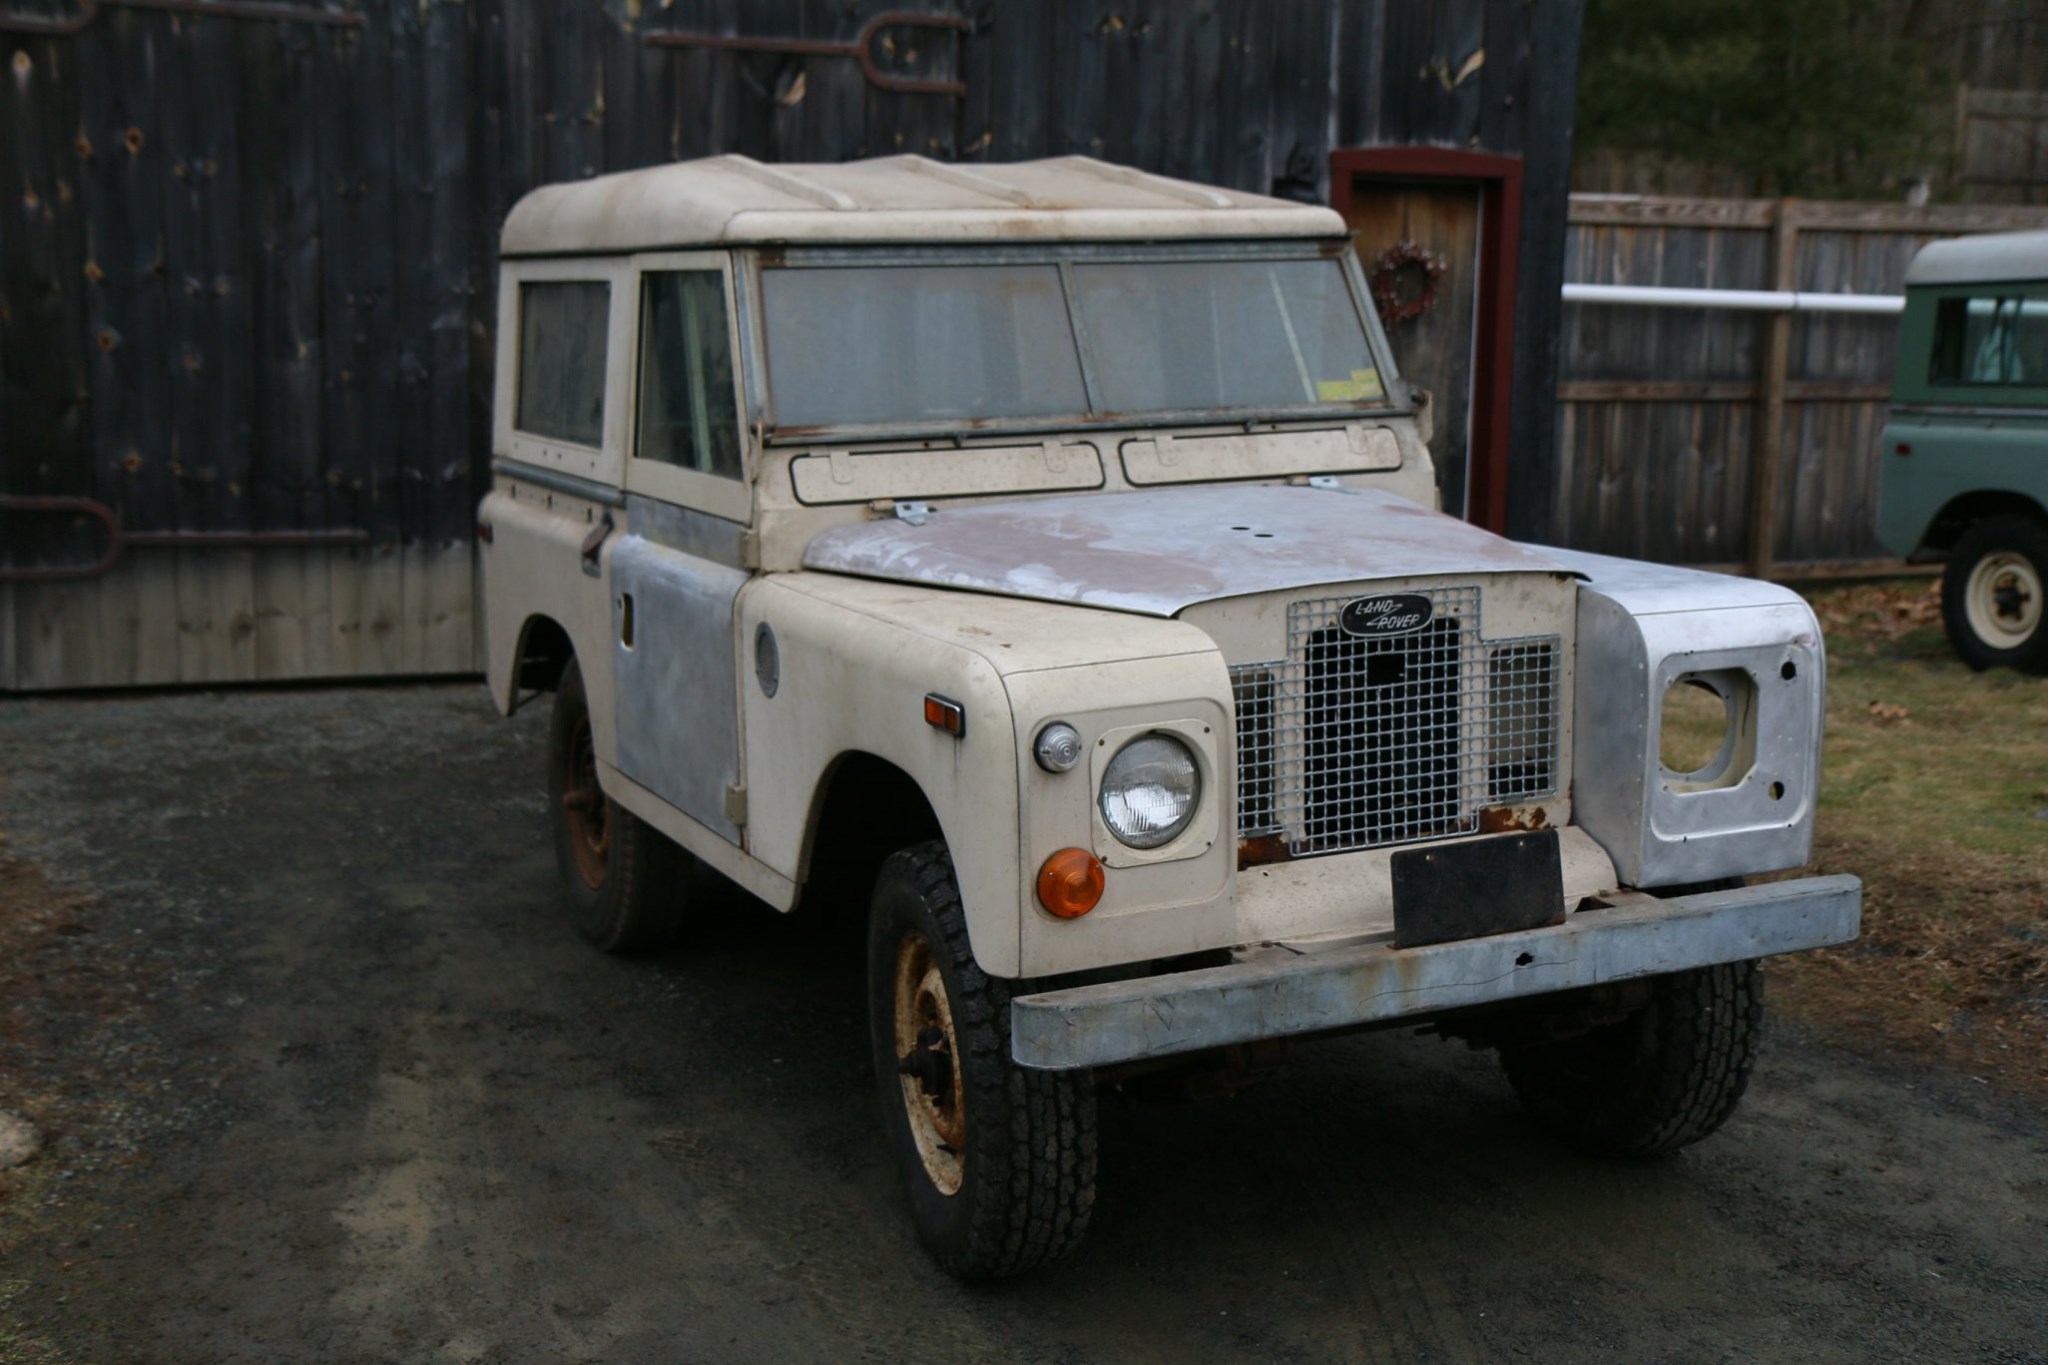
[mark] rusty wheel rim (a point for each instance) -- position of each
(926, 1052)
(589, 809)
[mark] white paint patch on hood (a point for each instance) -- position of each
(1160, 551)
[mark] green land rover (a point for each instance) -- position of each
(1965, 462)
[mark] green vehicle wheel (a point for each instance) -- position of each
(1993, 601)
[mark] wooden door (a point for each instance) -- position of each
(1434, 349)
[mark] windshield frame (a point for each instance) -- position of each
(760, 400)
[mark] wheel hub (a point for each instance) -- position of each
(2003, 599)
(926, 1048)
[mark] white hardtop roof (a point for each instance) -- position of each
(1992, 256)
(734, 199)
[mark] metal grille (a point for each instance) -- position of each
(1353, 742)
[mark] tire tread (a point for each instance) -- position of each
(1707, 1026)
(1045, 1171)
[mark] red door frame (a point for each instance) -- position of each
(1493, 344)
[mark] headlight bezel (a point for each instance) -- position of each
(1200, 832)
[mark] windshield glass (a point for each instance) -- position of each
(1173, 335)
(869, 345)
(898, 345)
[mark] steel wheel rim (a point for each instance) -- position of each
(2003, 599)
(923, 1022)
(589, 809)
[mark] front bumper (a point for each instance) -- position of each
(1273, 991)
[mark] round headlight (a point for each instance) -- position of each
(1150, 791)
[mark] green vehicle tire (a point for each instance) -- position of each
(1994, 595)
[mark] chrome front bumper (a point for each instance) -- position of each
(1273, 991)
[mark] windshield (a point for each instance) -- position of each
(899, 345)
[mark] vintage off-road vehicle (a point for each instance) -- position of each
(1043, 559)
(1965, 450)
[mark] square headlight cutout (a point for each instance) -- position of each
(1706, 735)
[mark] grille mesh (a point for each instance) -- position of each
(1353, 742)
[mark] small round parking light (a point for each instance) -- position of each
(1070, 883)
(1058, 747)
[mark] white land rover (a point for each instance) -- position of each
(1043, 559)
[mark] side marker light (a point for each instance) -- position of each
(943, 713)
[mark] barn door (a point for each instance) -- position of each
(1438, 231)
(1404, 232)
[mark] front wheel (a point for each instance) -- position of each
(1992, 596)
(1660, 1079)
(998, 1159)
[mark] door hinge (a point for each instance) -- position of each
(736, 803)
(593, 543)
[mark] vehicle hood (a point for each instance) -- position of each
(1160, 551)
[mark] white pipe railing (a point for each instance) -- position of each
(1753, 300)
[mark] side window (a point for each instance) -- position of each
(687, 412)
(561, 359)
(1990, 341)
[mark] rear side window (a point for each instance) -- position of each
(688, 414)
(561, 359)
(1999, 340)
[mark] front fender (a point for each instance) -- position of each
(849, 680)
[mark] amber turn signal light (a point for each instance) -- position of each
(943, 713)
(1070, 883)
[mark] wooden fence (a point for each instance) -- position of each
(1735, 439)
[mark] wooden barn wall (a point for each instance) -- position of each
(247, 252)
(1659, 411)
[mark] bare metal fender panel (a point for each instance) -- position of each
(1159, 551)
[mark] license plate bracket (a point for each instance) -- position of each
(1486, 886)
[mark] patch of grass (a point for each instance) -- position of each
(1934, 790)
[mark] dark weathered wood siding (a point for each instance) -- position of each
(246, 263)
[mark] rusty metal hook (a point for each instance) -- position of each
(860, 48)
(120, 539)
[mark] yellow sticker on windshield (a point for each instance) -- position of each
(1362, 385)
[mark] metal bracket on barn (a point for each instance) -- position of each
(119, 539)
(860, 48)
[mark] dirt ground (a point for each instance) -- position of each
(325, 1077)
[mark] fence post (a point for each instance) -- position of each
(1770, 414)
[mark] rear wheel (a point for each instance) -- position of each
(998, 1159)
(1993, 601)
(1662, 1078)
(624, 880)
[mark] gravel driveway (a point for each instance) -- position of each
(327, 1078)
